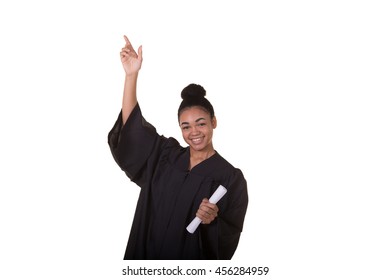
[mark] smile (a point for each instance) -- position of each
(196, 140)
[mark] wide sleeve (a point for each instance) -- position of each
(220, 238)
(231, 220)
(134, 145)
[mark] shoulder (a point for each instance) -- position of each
(228, 171)
(171, 148)
(226, 164)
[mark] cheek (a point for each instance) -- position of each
(208, 131)
(184, 134)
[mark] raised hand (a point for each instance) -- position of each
(131, 61)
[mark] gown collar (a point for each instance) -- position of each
(204, 167)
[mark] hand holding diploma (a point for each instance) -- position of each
(208, 210)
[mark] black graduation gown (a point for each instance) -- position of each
(170, 195)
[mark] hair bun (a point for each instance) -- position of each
(193, 91)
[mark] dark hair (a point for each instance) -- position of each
(194, 95)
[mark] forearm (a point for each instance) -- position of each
(129, 100)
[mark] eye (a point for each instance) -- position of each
(201, 124)
(185, 127)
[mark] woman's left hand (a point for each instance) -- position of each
(207, 211)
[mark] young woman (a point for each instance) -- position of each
(176, 181)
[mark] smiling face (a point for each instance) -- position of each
(197, 128)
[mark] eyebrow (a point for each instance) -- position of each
(198, 120)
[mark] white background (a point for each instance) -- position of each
(300, 90)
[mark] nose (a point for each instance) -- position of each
(194, 130)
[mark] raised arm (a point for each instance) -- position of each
(131, 62)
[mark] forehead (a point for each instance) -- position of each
(193, 113)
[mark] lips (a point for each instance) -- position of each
(197, 140)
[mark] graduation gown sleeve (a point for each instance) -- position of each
(232, 220)
(132, 145)
(220, 238)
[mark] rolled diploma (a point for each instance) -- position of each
(217, 195)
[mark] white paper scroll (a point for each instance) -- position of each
(217, 195)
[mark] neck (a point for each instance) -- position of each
(202, 155)
(197, 157)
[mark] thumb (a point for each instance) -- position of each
(140, 52)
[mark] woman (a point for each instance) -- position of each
(176, 181)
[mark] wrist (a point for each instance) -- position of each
(131, 75)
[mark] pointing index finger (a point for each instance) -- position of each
(128, 42)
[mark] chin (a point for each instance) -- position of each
(197, 148)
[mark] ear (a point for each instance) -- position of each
(214, 122)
